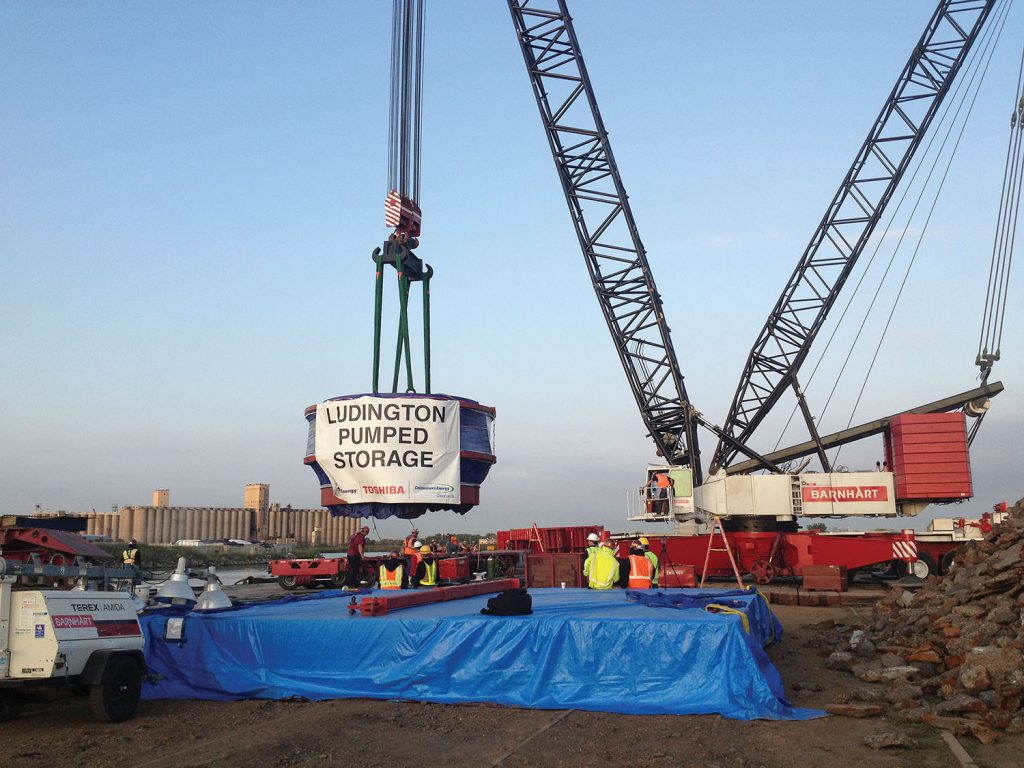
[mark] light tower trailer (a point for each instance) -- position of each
(56, 643)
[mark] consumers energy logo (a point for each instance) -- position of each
(436, 488)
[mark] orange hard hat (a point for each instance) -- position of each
(424, 550)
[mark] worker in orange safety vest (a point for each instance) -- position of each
(393, 574)
(662, 484)
(411, 545)
(641, 571)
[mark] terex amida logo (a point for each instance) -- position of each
(844, 493)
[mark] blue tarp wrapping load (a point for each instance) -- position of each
(578, 650)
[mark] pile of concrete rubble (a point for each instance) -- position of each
(952, 652)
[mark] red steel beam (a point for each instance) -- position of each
(381, 605)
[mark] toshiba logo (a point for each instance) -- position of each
(840, 493)
(383, 490)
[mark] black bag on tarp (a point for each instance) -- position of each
(511, 602)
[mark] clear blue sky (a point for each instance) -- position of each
(190, 194)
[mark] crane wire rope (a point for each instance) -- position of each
(983, 69)
(960, 92)
(1003, 243)
(405, 124)
(990, 340)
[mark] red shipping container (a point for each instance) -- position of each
(928, 456)
(454, 569)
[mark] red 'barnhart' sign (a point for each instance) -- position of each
(840, 493)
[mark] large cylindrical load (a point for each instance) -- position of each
(399, 455)
(90, 524)
(105, 525)
(115, 526)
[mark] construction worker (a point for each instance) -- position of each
(662, 483)
(425, 574)
(641, 570)
(411, 544)
(652, 557)
(131, 556)
(601, 568)
(452, 547)
(591, 544)
(356, 550)
(393, 572)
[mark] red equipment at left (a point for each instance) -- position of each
(54, 547)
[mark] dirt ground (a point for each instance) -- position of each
(362, 732)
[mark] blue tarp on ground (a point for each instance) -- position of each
(578, 650)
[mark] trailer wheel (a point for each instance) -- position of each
(116, 697)
(337, 579)
(10, 705)
(948, 562)
(762, 571)
(288, 582)
(922, 568)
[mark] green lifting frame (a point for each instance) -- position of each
(410, 269)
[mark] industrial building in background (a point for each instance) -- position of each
(256, 520)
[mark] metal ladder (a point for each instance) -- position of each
(716, 528)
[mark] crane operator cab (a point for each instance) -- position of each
(666, 495)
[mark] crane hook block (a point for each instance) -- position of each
(403, 214)
(412, 265)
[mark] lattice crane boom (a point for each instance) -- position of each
(604, 224)
(785, 340)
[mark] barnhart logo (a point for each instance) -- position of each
(837, 493)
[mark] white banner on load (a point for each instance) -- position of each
(398, 449)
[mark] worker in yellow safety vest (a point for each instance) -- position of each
(591, 544)
(601, 568)
(652, 557)
(130, 556)
(641, 571)
(426, 570)
(392, 572)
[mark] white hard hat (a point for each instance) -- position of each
(417, 543)
(592, 537)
